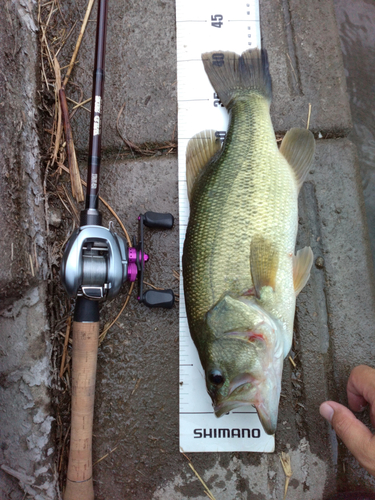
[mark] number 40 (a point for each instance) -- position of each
(216, 21)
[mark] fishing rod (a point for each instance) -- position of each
(96, 263)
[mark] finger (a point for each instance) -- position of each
(354, 434)
(361, 389)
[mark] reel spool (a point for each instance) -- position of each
(97, 261)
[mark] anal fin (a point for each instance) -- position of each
(302, 263)
(200, 149)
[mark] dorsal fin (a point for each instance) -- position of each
(200, 149)
(302, 263)
(264, 262)
(298, 148)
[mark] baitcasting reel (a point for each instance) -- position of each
(97, 261)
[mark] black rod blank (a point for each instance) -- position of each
(92, 193)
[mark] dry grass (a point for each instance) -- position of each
(75, 178)
(206, 490)
(308, 117)
(285, 462)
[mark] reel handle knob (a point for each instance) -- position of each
(158, 298)
(158, 221)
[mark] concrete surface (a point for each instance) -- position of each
(27, 448)
(27, 445)
(356, 23)
(136, 410)
(306, 66)
(343, 241)
(138, 364)
(22, 222)
(140, 72)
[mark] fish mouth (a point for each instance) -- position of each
(267, 416)
(244, 390)
(227, 406)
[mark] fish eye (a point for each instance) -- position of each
(216, 378)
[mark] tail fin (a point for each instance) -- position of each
(232, 75)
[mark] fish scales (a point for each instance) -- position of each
(241, 275)
(249, 190)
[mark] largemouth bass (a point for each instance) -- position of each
(241, 274)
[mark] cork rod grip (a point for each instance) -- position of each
(79, 483)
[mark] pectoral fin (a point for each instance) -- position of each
(264, 261)
(302, 263)
(200, 149)
(298, 148)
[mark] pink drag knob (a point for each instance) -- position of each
(132, 271)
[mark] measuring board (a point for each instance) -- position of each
(204, 26)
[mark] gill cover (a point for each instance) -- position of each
(246, 359)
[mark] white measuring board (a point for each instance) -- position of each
(204, 26)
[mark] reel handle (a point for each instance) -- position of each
(157, 220)
(79, 483)
(158, 298)
(153, 298)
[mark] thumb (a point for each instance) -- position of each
(354, 434)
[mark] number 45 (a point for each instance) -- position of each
(217, 21)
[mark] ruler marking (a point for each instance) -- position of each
(192, 100)
(193, 21)
(197, 413)
(231, 26)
